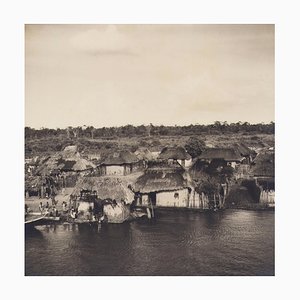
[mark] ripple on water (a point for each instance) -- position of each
(225, 243)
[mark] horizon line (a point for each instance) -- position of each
(155, 125)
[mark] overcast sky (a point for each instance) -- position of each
(107, 75)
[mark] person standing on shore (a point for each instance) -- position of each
(41, 207)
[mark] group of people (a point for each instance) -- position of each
(47, 209)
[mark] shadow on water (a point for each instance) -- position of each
(213, 219)
(32, 232)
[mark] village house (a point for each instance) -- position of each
(164, 184)
(247, 153)
(119, 163)
(263, 171)
(112, 196)
(144, 155)
(66, 166)
(178, 154)
(229, 155)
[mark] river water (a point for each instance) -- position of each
(231, 242)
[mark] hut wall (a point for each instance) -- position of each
(145, 200)
(84, 206)
(127, 169)
(173, 199)
(233, 164)
(115, 170)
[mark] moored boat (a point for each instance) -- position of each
(33, 219)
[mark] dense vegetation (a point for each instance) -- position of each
(150, 130)
(129, 137)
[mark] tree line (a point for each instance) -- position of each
(150, 130)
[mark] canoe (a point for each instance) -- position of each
(33, 219)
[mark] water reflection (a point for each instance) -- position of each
(177, 243)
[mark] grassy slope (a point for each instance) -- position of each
(153, 143)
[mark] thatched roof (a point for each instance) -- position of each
(143, 153)
(243, 149)
(228, 154)
(120, 158)
(162, 176)
(164, 166)
(264, 165)
(67, 160)
(174, 153)
(70, 151)
(79, 164)
(160, 181)
(107, 188)
(37, 181)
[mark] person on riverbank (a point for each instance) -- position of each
(64, 206)
(55, 211)
(41, 207)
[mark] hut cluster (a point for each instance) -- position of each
(171, 179)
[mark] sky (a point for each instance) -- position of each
(114, 75)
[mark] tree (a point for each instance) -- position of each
(194, 146)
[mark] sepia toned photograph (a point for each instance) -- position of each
(149, 150)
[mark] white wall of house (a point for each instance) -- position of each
(84, 206)
(145, 200)
(114, 170)
(169, 199)
(233, 164)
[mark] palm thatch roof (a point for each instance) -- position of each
(37, 181)
(243, 149)
(120, 158)
(79, 164)
(264, 165)
(67, 160)
(107, 188)
(143, 153)
(174, 153)
(228, 154)
(161, 176)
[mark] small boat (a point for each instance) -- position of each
(47, 216)
(33, 219)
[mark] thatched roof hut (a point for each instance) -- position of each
(264, 165)
(120, 158)
(227, 154)
(67, 160)
(244, 150)
(174, 153)
(162, 176)
(143, 153)
(107, 188)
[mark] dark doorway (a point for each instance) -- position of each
(152, 198)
